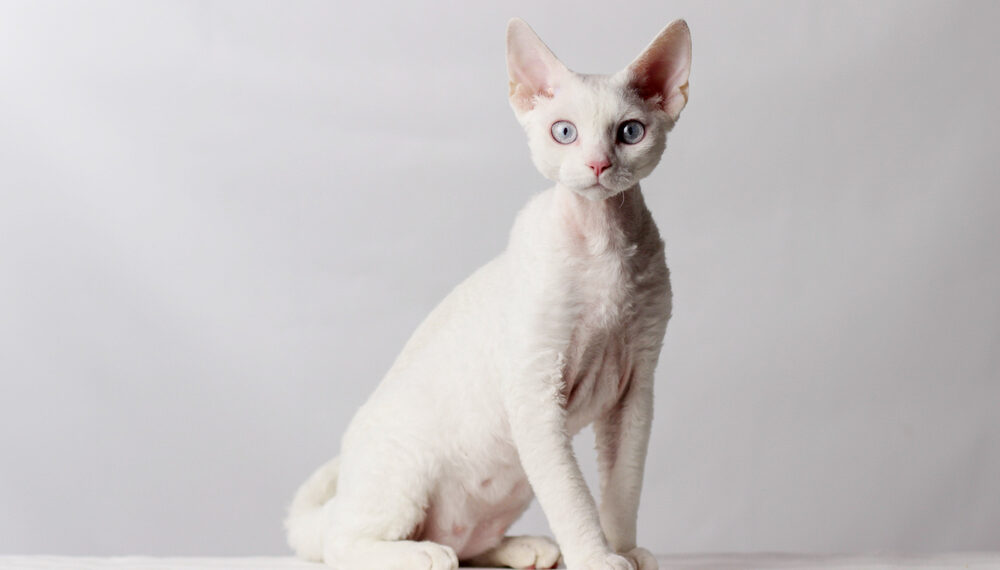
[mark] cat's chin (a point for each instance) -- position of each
(596, 192)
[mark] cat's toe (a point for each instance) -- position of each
(642, 559)
(546, 554)
(434, 556)
(535, 552)
(607, 562)
(524, 552)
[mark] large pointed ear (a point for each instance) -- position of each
(661, 71)
(534, 71)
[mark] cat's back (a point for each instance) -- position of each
(464, 347)
(451, 354)
(469, 330)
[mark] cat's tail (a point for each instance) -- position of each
(304, 524)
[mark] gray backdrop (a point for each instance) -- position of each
(220, 221)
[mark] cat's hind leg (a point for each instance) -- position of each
(378, 537)
(520, 552)
(380, 508)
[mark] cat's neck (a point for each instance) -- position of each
(619, 221)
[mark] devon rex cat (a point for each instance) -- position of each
(563, 329)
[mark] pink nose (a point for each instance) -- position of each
(599, 166)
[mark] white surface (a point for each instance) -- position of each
(763, 561)
(200, 260)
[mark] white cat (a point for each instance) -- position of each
(563, 329)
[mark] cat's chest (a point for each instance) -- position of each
(607, 288)
(599, 356)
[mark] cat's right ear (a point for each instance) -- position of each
(660, 73)
(533, 69)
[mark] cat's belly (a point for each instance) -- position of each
(471, 512)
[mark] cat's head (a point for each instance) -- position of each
(598, 134)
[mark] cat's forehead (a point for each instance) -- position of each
(593, 98)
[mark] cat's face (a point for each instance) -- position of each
(598, 135)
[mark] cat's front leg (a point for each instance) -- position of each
(534, 405)
(622, 439)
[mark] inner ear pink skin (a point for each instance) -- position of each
(660, 73)
(533, 69)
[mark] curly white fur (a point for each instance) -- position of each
(562, 330)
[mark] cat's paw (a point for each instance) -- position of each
(433, 556)
(607, 561)
(521, 552)
(395, 554)
(642, 559)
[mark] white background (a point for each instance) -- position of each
(219, 222)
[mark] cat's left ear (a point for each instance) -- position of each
(661, 71)
(533, 69)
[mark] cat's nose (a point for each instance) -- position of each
(599, 166)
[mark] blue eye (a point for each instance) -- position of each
(564, 132)
(631, 132)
